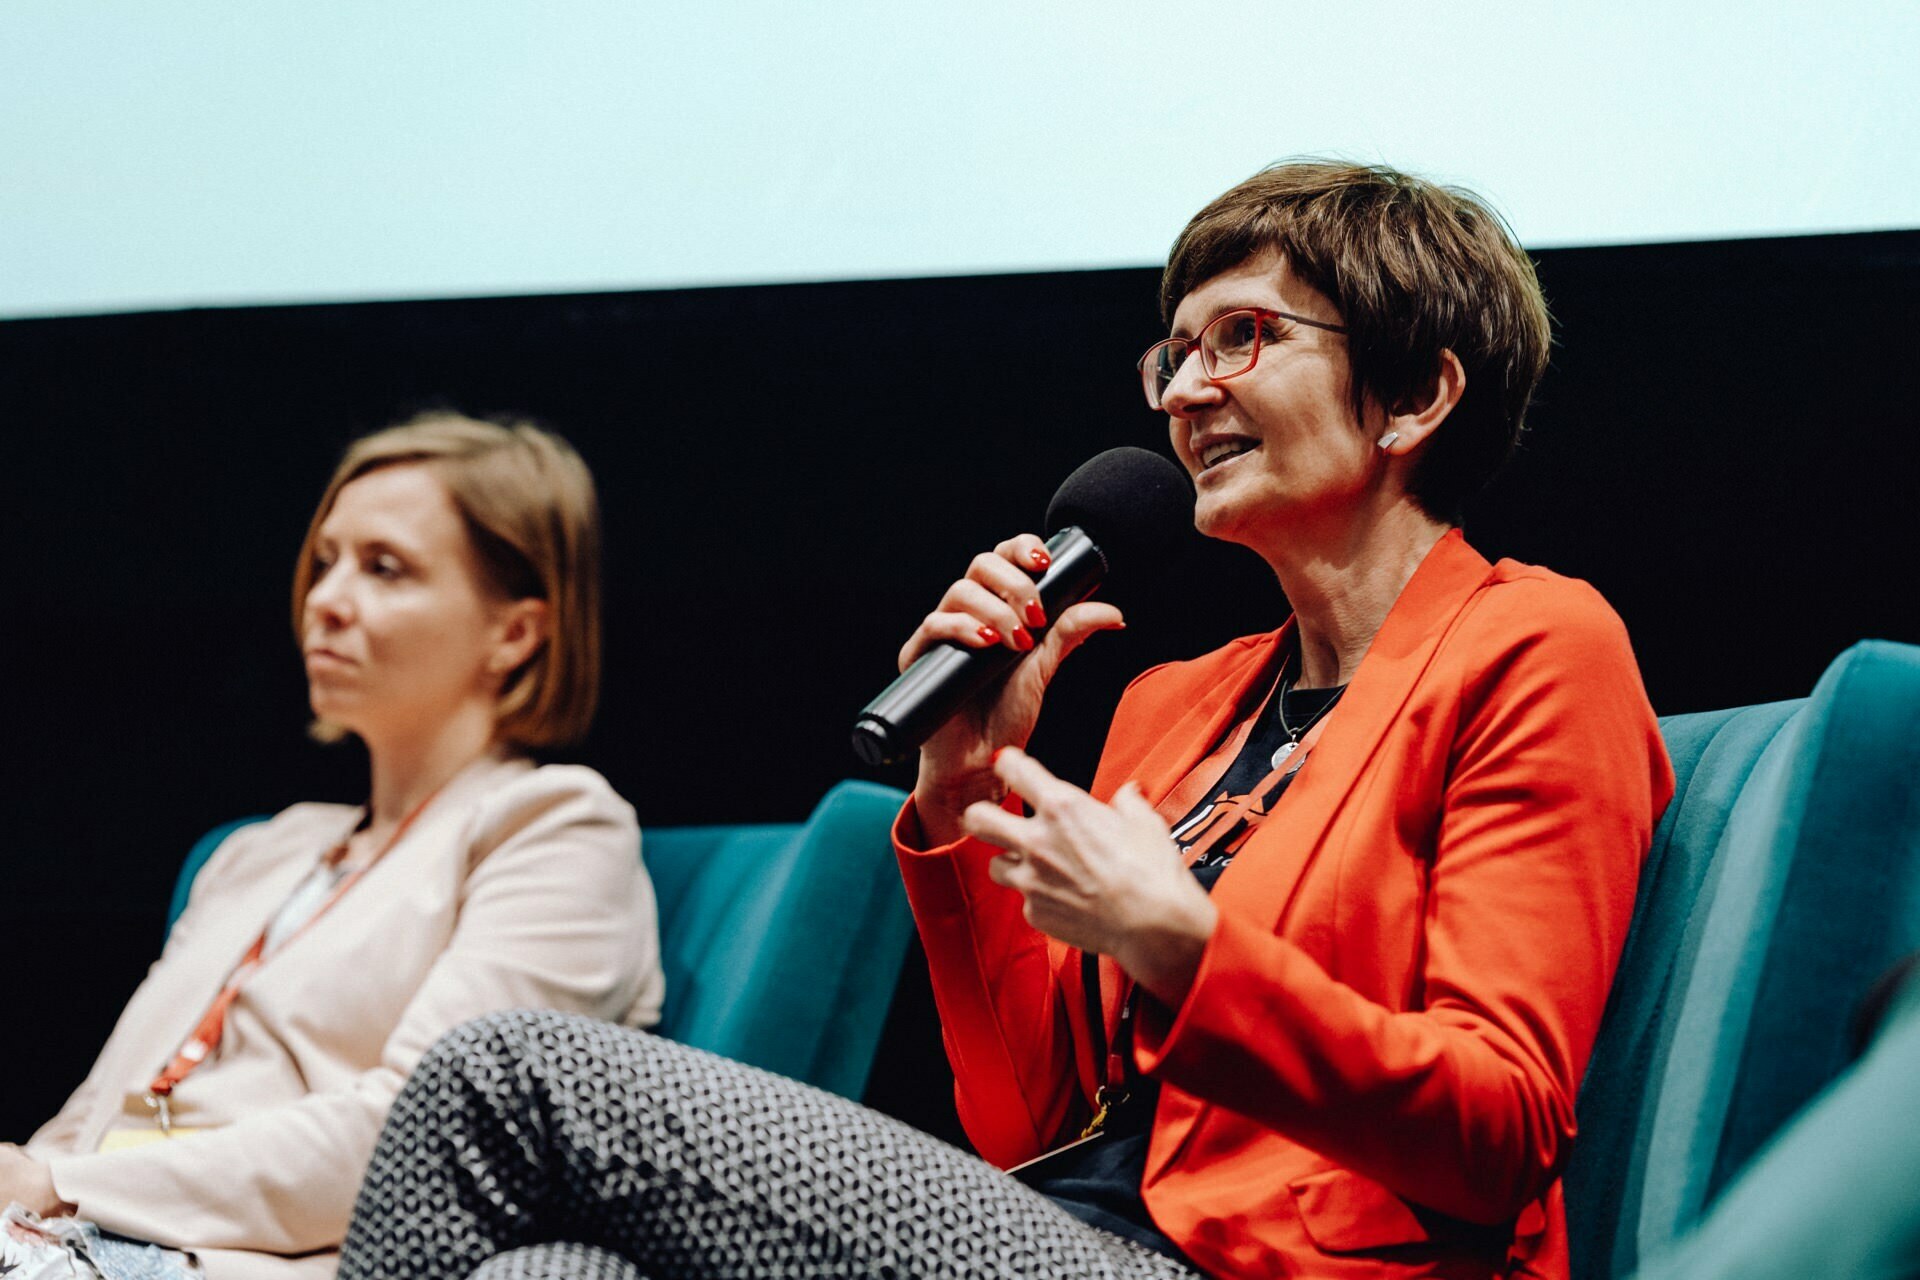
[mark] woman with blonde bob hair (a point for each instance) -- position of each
(446, 602)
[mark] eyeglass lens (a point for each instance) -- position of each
(1228, 345)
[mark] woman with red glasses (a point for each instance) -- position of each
(1303, 984)
(1319, 958)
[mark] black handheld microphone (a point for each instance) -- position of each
(1126, 499)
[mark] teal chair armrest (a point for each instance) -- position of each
(1836, 1194)
(1784, 875)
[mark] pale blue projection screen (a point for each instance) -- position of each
(174, 153)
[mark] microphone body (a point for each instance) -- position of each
(940, 681)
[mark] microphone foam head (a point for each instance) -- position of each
(1135, 505)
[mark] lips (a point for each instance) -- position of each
(1221, 449)
(327, 658)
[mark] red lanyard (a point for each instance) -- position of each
(205, 1038)
(1115, 1059)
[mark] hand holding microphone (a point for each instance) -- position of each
(999, 606)
(1019, 607)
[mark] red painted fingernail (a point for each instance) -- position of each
(989, 635)
(1036, 616)
(1040, 558)
(1021, 639)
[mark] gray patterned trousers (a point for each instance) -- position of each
(537, 1145)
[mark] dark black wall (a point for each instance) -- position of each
(790, 474)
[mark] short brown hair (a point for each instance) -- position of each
(1415, 268)
(529, 506)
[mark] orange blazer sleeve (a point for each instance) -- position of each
(1004, 1015)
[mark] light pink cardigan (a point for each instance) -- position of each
(518, 887)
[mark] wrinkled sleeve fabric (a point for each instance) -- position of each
(555, 913)
(1002, 1012)
(1462, 1101)
(1003, 989)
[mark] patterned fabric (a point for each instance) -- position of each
(75, 1249)
(527, 1129)
(558, 1262)
(137, 1260)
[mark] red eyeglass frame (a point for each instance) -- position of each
(1197, 343)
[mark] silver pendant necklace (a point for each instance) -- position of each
(1292, 743)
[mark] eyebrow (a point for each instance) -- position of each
(1335, 326)
(373, 546)
(1216, 313)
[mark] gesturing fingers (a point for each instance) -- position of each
(993, 824)
(1010, 870)
(1131, 803)
(1061, 845)
(1028, 778)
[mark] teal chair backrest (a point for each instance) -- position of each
(1784, 876)
(782, 944)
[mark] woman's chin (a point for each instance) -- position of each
(333, 711)
(1221, 521)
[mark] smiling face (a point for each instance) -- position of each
(1279, 445)
(400, 629)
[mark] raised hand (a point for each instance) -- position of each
(1101, 877)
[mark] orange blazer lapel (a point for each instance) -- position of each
(1160, 739)
(1262, 879)
(1232, 682)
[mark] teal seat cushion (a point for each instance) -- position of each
(1723, 1019)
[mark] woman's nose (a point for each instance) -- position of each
(1191, 390)
(328, 600)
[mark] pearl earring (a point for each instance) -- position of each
(1386, 441)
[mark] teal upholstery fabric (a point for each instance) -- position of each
(1837, 1193)
(1781, 879)
(1851, 904)
(1714, 754)
(782, 944)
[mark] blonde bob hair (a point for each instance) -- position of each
(529, 506)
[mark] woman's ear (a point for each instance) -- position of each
(1421, 411)
(519, 630)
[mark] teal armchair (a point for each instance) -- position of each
(1783, 878)
(1836, 1194)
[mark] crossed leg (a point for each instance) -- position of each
(540, 1129)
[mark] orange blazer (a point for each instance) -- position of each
(1373, 1073)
